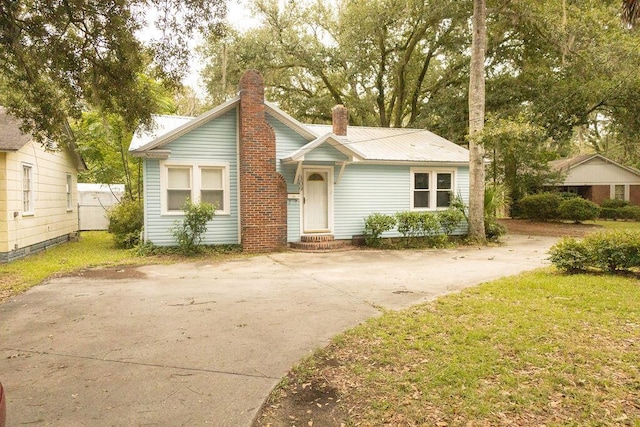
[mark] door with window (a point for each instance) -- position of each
(316, 201)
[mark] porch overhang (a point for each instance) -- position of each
(298, 156)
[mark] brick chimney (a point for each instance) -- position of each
(340, 119)
(263, 191)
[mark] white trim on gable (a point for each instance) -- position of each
(298, 155)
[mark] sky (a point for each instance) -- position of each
(240, 17)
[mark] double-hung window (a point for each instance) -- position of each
(178, 187)
(431, 189)
(199, 182)
(212, 186)
(27, 189)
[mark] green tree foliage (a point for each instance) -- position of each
(519, 151)
(570, 65)
(384, 59)
(58, 56)
(125, 223)
(103, 140)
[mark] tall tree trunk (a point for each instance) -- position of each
(476, 121)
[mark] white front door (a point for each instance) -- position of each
(316, 201)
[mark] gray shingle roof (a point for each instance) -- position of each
(11, 138)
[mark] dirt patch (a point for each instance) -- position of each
(110, 273)
(554, 229)
(301, 401)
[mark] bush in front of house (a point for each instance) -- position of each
(609, 251)
(615, 209)
(125, 223)
(449, 220)
(418, 224)
(613, 203)
(578, 209)
(570, 255)
(376, 224)
(540, 207)
(630, 212)
(190, 231)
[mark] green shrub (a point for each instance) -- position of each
(190, 231)
(410, 224)
(614, 250)
(630, 212)
(376, 224)
(493, 230)
(570, 255)
(610, 213)
(429, 224)
(578, 209)
(449, 220)
(609, 251)
(613, 203)
(541, 207)
(125, 223)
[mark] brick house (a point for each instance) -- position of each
(277, 181)
(596, 178)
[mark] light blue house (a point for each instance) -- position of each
(277, 181)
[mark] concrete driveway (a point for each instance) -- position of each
(203, 344)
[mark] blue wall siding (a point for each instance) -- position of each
(287, 141)
(215, 141)
(325, 153)
(293, 220)
(365, 189)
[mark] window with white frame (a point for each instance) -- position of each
(178, 187)
(197, 182)
(619, 192)
(212, 186)
(69, 192)
(431, 189)
(27, 190)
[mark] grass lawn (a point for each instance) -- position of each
(95, 248)
(616, 225)
(536, 349)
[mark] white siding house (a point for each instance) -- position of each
(38, 196)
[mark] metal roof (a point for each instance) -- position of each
(399, 144)
(162, 125)
(369, 143)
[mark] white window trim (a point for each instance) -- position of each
(31, 211)
(433, 183)
(69, 193)
(612, 191)
(196, 183)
